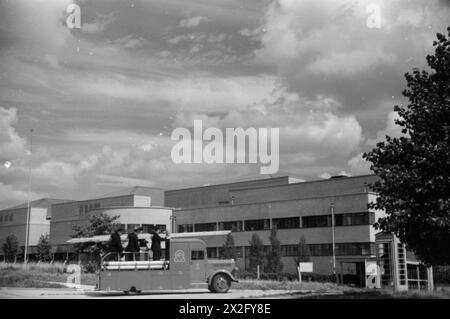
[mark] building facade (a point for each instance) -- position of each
(347, 245)
(14, 220)
(139, 206)
(295, 210)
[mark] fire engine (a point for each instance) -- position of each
(186, 266)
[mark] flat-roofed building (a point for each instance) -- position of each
(14, 220)
(295, 210)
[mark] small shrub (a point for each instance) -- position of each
(90, 267)
(441, 274)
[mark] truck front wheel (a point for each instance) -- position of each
(220, 283)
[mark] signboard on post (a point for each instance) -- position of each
(304, 267)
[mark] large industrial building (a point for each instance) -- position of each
(298, 209)
(295, 209)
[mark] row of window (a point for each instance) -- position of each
(217, 252)
(341, 249)
(88, 207)
(6, 218)
(146, 228)
(352, 219)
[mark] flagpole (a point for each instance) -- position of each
(27, 228)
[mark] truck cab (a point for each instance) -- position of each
(187, 267)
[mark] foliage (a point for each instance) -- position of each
(441, 274)
(44, 249)
(11, 247)
(98, 224)
(303, 252)
(414, 183)
(257, 254)
(274, 264)
(228, 250)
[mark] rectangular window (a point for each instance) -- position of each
(233, 226)
(1, 219)
(186, 228)
(316, 221)
(286, 223)
(97, 205)
(226, 202)
(257, 224)
(205, 227)
(11, 217)
(320, 249)
(353, 219)
(81, 210)
(197, 255)
(212, 252)
(343, 249)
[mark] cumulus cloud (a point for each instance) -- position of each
(12, 196)
(107, 98)
(392, 130)
(358, 165)
(100, 23)
(12, 145)
(192, 22)
(326, 47)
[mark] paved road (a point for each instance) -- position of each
(68, 293)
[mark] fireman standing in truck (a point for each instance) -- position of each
(133, 245)
(115, 245)
(156, 244)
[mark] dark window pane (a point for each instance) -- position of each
(197, 255)
(257, 224)
(316, 221)
(233, 226)
(205, 227)
(186, 228)
(212, 252)
(286, 223)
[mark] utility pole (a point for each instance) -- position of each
(27, 228)
(333, 241)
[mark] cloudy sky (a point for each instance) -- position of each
(104, 99)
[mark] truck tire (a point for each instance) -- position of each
(220, 283)
(134, 290)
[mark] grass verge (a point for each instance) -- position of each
(39, 275)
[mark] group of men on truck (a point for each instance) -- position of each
(136, 245)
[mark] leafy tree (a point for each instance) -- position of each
(414, 184)
(44, 249)
(257, 254)
(303, 252)
(274, 264)
(98, 224)
(228, 250)
(11, 247)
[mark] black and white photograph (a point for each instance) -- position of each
(247, 151)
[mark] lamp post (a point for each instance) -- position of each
(333, 241)
(27, 228)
